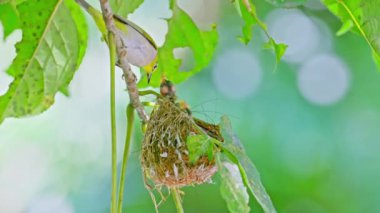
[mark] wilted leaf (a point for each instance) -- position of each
(9, 19)
(182, 32)
(52, 47)
(199, 145)
(125, 7)
(251, 177)
(247, 11)
(232, 187)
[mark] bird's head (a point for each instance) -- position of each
(150, 68)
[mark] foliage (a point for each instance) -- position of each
(182, 32)
(125, 7)
(199, 145)
(9, 18)
(248, 12)
(232, 187)
(233, 150)
(47, 57)
(364, 14)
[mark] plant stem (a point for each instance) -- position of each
(177, 199)
(129, 77)
(130, 120)
(112, 50)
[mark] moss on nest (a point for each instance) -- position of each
(165, 157)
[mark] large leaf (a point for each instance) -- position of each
(9, 18)
(364, 14)
(52, 47)
(232, 187)
(182, 32)
(233, 149)
(247, 11)
(124, 7)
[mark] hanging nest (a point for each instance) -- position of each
(165, 157)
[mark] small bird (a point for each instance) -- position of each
(141, 48)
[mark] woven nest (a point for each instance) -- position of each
(165, 157)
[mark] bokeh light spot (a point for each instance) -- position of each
(323, 80)
(296, 30)
(237, 74)
(51, 203)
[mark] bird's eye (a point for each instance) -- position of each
(155, 67)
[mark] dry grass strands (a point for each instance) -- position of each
(165, 157)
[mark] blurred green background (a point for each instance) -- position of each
(311, 126)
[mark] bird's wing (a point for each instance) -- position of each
(140, 46)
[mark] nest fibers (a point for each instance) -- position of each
(165, 157)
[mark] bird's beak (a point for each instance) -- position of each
(148, 75)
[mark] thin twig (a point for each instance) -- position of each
(130, 78)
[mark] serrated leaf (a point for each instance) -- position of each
(182, 32)
(232, 187)
(9, 19)
(199, 145)
(346, 26)
(251, 177)
(365, 16)
(52, 47)
(279, 49)
(125, 7)
(247, 11)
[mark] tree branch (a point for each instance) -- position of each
(129, 77)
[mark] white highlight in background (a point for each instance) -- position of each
(298, 31)
(237, 73)
(323, 80)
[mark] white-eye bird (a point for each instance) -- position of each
(141, 48)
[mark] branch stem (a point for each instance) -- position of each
(130, 78)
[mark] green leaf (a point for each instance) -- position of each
(52, 47)
(9, 18)
(232, 187)
(347, 26)
(199, 145)
(125, 7)
(247, 11)
(279, 49)
(182, 32)
(233, 149)
(376, 58)
(364, 15)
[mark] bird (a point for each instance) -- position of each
(141, 48)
